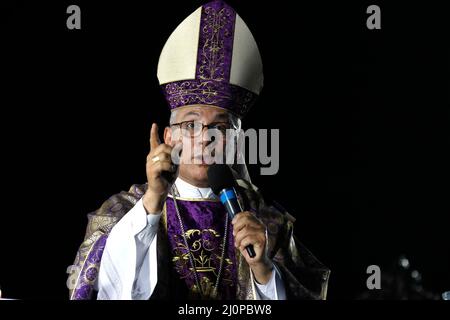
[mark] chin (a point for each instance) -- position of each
(200, 172)
(196, 173)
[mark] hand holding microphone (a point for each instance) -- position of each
(249, 232)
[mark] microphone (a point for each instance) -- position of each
(222, 183)
(170, 177)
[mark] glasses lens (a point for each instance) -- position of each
(191, 128)
(195, 128)
(223, 127)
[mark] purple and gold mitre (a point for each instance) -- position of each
(212, 59)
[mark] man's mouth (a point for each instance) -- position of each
(200, 160)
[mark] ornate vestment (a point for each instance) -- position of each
(303, 275)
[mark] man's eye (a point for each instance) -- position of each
(221, 127)
(190, 125)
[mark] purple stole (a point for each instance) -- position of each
(204, 225)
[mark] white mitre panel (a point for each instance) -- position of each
(178, 58)
(246, 63)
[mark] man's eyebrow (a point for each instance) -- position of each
(192, 113)
(221, 116)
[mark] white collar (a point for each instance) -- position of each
(187, 190)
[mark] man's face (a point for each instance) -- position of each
(195, 157)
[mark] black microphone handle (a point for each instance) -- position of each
(170, 177)
(233, 207)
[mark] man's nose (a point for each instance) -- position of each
(207, 136)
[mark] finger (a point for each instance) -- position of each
(255, 241)
(241, 215)
(242, 225)
(247, 225)
(242, 235)
(247, 222)
(164, 166)
(154, 137)
(162, 148)
(162, 156)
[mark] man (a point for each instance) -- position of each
(164, 240)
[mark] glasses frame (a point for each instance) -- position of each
(209, 126)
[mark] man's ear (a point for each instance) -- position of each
(168, 136)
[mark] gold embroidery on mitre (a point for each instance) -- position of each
(186, 93)
(212, 58)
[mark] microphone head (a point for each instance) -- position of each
(220, 177)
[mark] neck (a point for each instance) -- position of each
(195, 183)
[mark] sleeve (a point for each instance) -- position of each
(82, 280)
(303, 275)
(129, 256)
(272, 290)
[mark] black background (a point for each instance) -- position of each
(363, 118)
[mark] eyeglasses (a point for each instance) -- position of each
(195, 128)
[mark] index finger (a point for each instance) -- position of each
(154, 137)
(240, 216)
